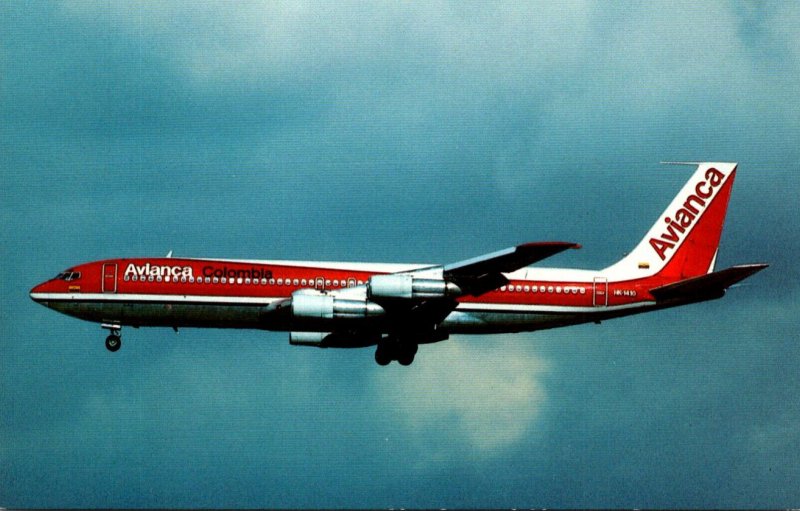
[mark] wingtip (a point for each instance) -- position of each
(563, 245)
(753, 267)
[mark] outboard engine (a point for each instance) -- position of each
(334, 340)
(322, 306)
(402, 286)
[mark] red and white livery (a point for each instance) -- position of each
(397, 307)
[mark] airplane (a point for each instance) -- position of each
(397, 307)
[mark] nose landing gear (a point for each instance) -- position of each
(114, 340)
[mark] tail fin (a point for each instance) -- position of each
(684, 240)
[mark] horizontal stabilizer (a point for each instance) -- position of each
(711, 284)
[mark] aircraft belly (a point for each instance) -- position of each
(165, 314)
(488, 322)
(201, 315)
(260, 316)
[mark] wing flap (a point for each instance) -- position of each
(711, 284)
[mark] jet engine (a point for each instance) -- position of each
(321, 306)
(334, 340)
(409, 286)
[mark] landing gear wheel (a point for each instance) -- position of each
(406, 359)
(405, 355)
(113, 342)
(383, 356)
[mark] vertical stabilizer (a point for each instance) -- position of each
(683, 241)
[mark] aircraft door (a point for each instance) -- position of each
(320, 283)
(600, 292)
(110, 278)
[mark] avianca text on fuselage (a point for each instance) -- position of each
(399, 307)
(151, 270)
(684, 217)
(141, 271)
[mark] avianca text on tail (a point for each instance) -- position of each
(397, 307)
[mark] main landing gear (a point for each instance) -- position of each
(114, 339)
(393, 349)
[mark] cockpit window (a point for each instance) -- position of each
(69, 275)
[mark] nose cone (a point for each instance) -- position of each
(39, 292)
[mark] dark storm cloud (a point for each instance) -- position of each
(396, 133)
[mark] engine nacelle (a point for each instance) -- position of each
(307, 338)
(333, 340)
(409, 286)
(323, 306)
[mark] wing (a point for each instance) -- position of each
(484, 273)
(474, 276)
(407, 303)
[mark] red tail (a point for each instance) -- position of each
(684, 240)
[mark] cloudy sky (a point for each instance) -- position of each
(396, 132)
